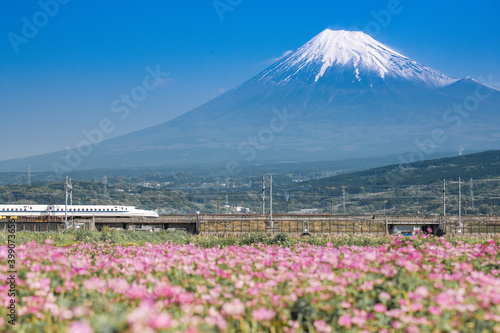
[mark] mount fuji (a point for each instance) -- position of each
(350, 56)
(341, 95)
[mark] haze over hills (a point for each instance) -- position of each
(341, 95)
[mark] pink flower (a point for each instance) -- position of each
(80, 327)
(235, 308)
(345, 320)
(396, 325)
(161, 321)
(415, 307)
(422, 292)
(434, 310)
(385, 295)
(94, 283)
(345, 305)
(321, 326)
(263, 314)
(380, 308)
(412, 329)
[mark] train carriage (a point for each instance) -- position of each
(75, 211)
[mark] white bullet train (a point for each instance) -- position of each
(75, 211)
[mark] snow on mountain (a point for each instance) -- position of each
(350, 55)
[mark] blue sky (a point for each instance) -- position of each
(62, 79)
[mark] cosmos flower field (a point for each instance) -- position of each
(410, 285)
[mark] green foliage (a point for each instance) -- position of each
(303, 311)
(128, 238)
(118, 237)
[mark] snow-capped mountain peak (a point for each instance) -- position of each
(353, 56)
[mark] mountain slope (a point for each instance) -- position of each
(477, 166)
(341, 95)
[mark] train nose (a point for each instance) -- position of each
(152, 214)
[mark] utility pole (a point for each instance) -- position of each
(68, 189)
(332, 207)
(343, 199)
(444, 197)
(218, 206)
(271, 200)
(459, 201)
(471, 195)
(263, 195)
